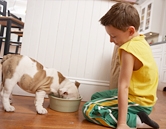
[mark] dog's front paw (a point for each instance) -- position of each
(41, 110)
(9, 108)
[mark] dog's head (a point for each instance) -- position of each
(69, 90)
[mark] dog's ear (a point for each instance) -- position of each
(77, 84)
(61, 77)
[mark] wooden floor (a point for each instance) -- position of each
(25, 116)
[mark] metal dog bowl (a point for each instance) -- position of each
(64, 105)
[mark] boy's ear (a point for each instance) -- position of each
(131, 30)
(77, 84)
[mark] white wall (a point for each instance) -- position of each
(67, 35)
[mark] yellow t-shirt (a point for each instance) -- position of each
(144, 82)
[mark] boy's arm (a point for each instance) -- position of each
(127, 64)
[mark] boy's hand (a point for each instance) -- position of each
(123, 126)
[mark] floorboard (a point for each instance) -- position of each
(25, 116)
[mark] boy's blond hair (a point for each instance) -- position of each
(121, 16)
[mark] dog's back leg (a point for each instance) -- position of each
(1, 87)
(8, 87)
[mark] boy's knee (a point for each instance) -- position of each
(95, 96)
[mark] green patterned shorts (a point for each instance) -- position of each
(103, 109)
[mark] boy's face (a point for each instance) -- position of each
(117, 36)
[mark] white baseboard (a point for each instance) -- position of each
(89, 81)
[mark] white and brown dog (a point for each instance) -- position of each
(33, 77)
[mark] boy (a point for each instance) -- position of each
(129, 105)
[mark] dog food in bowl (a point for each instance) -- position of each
(64, 105)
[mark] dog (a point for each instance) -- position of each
(33, 77)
